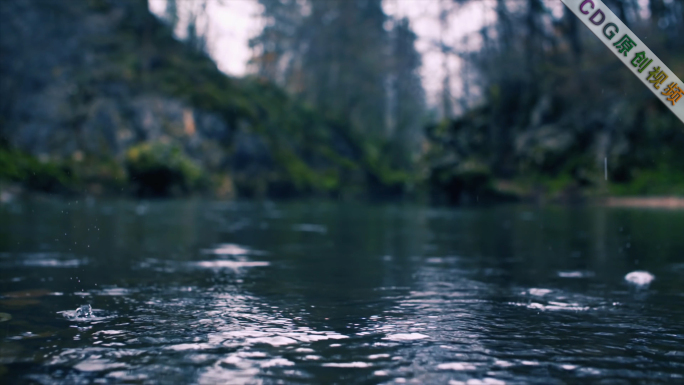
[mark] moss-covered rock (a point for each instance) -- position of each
(159, 169)
(118, 84)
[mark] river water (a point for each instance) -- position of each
(323, 293)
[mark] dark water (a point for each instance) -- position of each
(199, 292)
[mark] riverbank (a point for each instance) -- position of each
(645, 202)
(10, 192)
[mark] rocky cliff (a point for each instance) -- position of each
(102, 92)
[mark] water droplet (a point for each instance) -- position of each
(84, 311)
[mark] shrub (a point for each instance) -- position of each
(49, 176)
(159, 169)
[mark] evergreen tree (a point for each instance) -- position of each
(338, 56)
(409, 106)
(278, 44)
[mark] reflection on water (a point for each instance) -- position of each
(197, 292)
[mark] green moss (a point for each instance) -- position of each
(550, 186)
(16, 166)
(100, 174)
(159, 169)
(469, 179)
(660, 181)
(312, 153)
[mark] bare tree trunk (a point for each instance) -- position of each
(570, 20)
(657, 9)
(446, 81)
(504, 23)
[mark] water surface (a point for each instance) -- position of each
(260, 292)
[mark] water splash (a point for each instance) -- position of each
(84, 311)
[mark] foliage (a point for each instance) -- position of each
(131, 56)
(548, 122)
(340, 58)
(158, 169)
(336, 105)
(662, 181)
(313, 151)
(16, 166)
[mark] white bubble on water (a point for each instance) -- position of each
(640, 278)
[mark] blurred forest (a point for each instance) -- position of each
(556, 105)
(99, 97)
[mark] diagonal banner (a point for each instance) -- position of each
(667, 87)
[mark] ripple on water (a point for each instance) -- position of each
(558, 300)
(552, 306)
(356, 364)
(378, 356)
(234, 257)
(97, 365)
(273, 340)
(456, 366)
(276, 338)
(310, 228)
(576, 274)
(191, 347)
(224, 264)
(113, 291)
(539, 292)
(228, 249)
(477, 381)
(51, 259)
(405, 336)
(276, 362)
